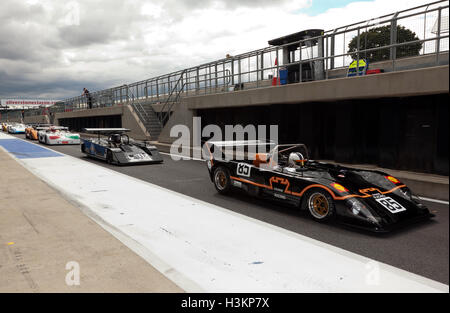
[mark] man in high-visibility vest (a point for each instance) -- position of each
(355, 70)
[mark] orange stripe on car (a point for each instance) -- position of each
(284, 181)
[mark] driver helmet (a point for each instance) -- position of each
(53, 129)
(116, 138)
(296, 159)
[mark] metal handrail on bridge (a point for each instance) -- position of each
(165, 114)
(222, 75)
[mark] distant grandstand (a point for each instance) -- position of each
(24, 104)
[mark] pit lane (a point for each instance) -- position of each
(421, 249)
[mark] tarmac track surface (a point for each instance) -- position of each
(422, 248)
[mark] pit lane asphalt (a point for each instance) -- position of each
(422, 248)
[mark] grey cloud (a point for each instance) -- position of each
(12, 86)
(187, 5)
(79, 36)
(17, 11)
(102, 22)
(176, 10)
(35, 40)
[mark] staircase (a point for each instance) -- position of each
(153, 121)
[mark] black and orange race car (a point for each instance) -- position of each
(31, 131)
(367, 199)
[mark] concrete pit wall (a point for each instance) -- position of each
(427, 81)
(180, 116)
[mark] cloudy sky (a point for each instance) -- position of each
(52, 49)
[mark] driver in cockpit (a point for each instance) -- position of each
(115, 140)
(296, 161)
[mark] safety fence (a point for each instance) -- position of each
(417, 32)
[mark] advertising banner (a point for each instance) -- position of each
(26, 103)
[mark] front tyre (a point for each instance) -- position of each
(109, 157)
(319, 204)
(222, 180)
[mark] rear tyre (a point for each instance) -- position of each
(222, 180)
(319, 204)
(83, 148)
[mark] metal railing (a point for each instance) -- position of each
(169, 102)
(138, 107)
(256, 68)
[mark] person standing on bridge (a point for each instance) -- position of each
(88, 97)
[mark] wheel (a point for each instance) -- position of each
(83, 148)
(109, 157)
(222, 180)
(319, 204)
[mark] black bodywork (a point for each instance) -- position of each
(117, 148)
(362, 198)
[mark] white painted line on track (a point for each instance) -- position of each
(182, 156)
(203, 247)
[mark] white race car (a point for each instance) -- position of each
(16, 128)
(58, 135)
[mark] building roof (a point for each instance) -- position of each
(304, 34)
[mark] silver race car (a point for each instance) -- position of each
(116, 147)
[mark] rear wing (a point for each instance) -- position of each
(106, 131)
(254, 151)
(36, 125)
(52, 127)
(245, 150)
(241, 143)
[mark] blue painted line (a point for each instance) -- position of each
(25, 150)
